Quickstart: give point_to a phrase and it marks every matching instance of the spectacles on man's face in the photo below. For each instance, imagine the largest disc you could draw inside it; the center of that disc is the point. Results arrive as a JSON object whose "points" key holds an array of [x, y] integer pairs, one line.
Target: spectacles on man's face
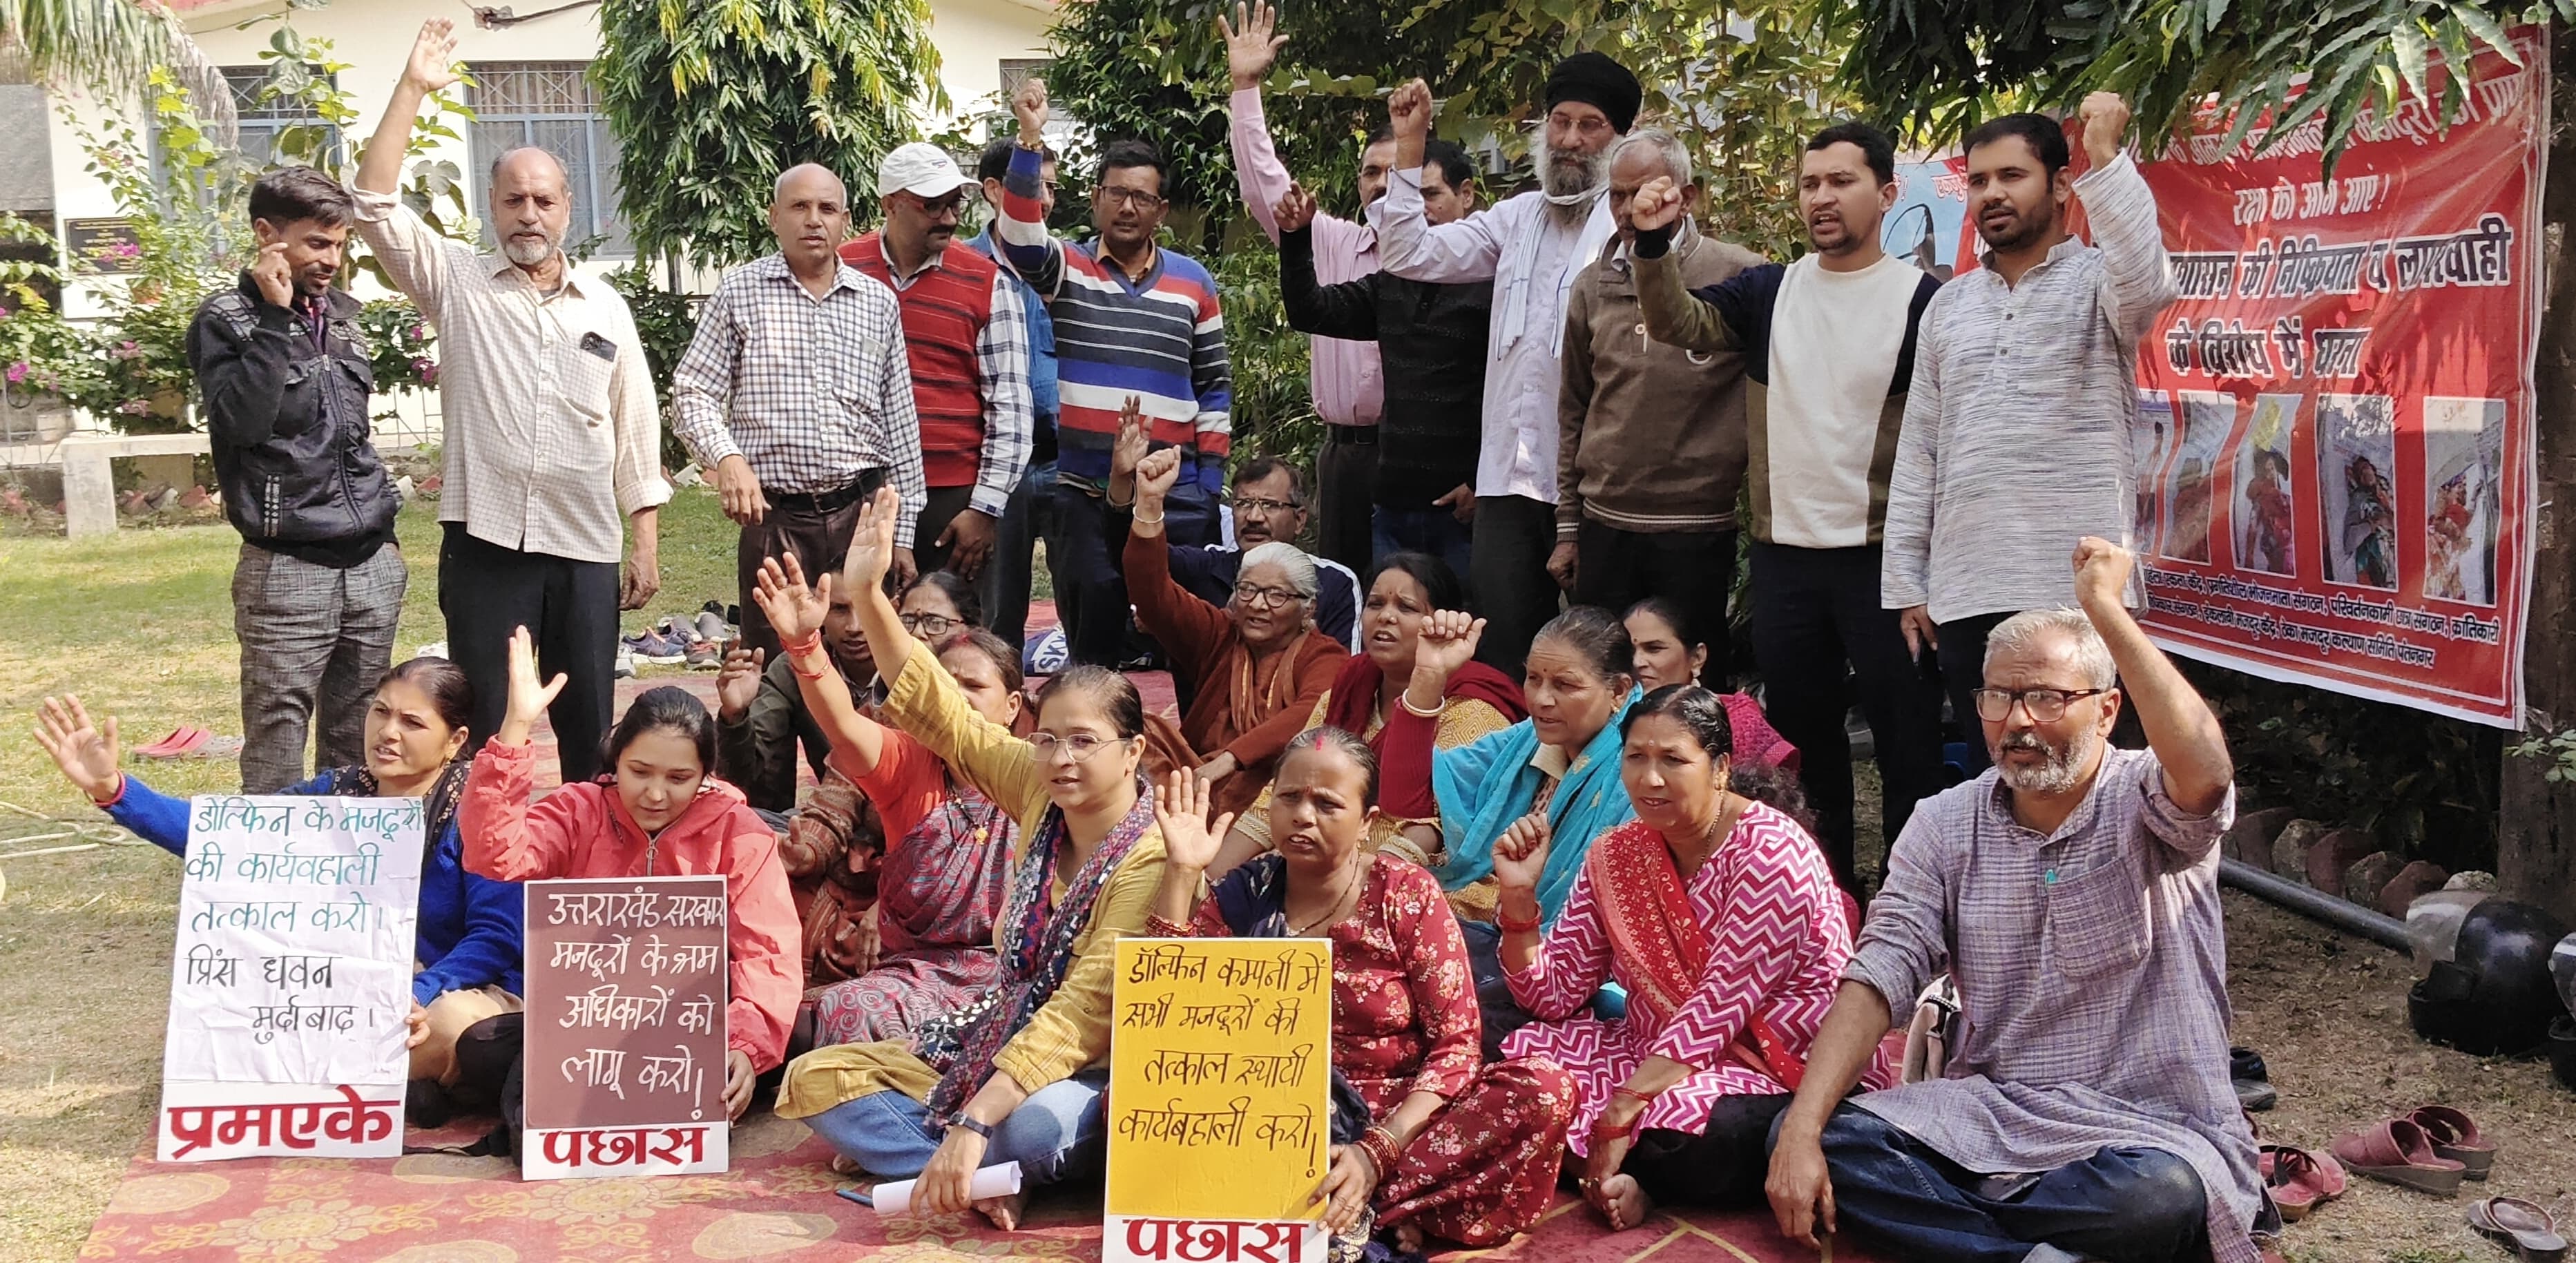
{"points": [[929, 626], [1079, 746], [1255, 504], [2046, 706], [1116, 195], [1259, 597]]}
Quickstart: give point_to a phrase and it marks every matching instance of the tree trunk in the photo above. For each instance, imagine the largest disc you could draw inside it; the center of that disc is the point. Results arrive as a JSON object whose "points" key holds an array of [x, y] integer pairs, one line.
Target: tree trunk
{"points": [[2536, 854]]}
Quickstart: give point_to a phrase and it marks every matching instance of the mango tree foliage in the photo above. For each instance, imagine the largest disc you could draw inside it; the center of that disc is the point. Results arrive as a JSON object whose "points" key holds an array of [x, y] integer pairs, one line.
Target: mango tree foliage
{"points": [[711, 99]]}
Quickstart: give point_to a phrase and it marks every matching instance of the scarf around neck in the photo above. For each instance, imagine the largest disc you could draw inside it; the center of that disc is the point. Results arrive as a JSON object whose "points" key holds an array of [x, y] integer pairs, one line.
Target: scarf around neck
{"points": [[1484, 787], [437, 806]]}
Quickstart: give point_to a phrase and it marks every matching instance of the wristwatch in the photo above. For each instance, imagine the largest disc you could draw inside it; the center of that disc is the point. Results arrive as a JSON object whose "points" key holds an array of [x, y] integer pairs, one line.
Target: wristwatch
{"points": [[981, 1129]]}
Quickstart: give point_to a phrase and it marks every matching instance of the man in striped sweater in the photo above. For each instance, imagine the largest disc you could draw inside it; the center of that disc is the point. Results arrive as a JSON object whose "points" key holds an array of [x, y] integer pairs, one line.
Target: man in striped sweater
{"points": [[1131, 319], [968, 341]]}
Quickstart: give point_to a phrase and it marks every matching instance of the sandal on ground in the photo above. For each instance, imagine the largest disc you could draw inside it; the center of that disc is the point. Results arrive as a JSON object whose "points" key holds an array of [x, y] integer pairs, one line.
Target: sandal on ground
{"points": [[2398, 1152], [2456, 1137], [176, 745], [2520, 1226], [2300, 1181]]}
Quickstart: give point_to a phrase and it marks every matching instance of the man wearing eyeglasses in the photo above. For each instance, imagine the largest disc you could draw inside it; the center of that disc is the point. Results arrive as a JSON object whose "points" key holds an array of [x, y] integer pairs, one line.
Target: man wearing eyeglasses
{"points": [[1269, 506], [2073, 890], [968, 340]]}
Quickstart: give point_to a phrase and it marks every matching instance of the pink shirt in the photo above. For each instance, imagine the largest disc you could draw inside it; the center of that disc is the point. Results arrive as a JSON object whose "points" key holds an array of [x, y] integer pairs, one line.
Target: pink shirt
{"points": [[1347, 383]]}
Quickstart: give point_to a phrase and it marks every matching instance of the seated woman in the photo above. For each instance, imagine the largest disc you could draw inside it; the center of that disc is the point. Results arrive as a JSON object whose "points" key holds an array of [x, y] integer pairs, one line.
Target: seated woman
{"points": [[1254, 668], [1451, 1148], [1018, 1076], [1667, 653], [656, 812], [947, 859], [1719, 917], [466, 941], [938, 605], [1561, 761], [1403, 590]]}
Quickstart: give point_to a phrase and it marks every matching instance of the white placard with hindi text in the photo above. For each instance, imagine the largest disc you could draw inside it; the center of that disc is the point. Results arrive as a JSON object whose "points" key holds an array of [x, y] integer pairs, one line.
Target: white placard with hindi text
{"points": [[290, 978]]}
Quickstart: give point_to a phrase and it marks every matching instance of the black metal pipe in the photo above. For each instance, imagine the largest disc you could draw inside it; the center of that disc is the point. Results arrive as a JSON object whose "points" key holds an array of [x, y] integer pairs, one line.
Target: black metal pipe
{"points": [[2316, 905]]}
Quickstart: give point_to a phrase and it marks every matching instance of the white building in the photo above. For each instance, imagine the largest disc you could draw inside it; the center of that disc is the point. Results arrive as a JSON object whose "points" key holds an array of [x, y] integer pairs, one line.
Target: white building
{"points": [[530, 90]]}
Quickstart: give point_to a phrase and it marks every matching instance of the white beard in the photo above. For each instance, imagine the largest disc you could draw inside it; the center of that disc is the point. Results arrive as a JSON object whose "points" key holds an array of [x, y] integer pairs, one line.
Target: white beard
{"points": [[526, 254], [2062, 771]]}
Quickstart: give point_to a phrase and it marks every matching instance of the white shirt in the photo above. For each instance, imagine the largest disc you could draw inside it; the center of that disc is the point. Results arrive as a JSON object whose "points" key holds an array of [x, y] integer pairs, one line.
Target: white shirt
{"points": [[1533, 258], [1835, 338]]}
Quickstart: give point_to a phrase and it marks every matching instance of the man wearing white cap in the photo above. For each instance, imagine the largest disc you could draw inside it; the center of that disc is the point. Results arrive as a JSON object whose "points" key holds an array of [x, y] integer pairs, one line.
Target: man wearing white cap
{"points": [[969, 341], [797, 395]]}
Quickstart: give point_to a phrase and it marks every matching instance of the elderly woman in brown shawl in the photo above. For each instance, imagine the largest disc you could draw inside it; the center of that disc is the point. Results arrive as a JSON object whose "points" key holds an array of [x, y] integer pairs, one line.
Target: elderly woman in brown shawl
{"points": [[1253, 669]]}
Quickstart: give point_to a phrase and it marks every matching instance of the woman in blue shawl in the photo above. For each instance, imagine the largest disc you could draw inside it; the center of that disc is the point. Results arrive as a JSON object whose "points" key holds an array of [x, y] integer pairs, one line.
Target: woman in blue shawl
{"points": [[1562, 761]]}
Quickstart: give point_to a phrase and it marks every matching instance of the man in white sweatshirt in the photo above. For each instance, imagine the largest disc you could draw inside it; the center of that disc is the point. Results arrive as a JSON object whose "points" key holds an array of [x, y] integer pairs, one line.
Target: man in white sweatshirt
{"points": [[1828, 343]]}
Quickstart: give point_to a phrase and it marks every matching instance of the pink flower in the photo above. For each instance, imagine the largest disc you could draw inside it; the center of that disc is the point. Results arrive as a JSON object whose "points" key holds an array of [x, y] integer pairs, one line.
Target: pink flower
{"points": [[17, 372], [124, 250], [127, 350], [133, 407], [420, 333]]}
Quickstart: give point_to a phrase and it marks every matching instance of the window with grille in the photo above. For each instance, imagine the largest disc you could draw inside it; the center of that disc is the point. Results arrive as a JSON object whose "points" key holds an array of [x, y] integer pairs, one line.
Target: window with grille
{"points": [[1019, 70], [552, 106], [261, 121]]}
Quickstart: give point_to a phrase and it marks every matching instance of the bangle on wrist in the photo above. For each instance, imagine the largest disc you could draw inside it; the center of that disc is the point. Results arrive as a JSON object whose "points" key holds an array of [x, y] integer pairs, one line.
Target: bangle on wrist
{"points": [[1642, 1098], [1405, 699], [1142, 520], [1513, 925], [112, 799], [1382, 1150]]}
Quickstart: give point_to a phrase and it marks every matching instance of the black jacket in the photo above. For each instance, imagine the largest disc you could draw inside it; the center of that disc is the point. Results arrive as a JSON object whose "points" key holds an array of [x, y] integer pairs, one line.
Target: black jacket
{"points": [[289, 426], [1431, 339]]}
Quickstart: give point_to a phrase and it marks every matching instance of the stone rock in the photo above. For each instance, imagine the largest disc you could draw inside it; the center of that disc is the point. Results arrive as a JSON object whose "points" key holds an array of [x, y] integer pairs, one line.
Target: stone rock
{"points": [[2417, 879], [2330, 855], [2361, 882], [2289, 852], [2249, 840], [2474, 879]]}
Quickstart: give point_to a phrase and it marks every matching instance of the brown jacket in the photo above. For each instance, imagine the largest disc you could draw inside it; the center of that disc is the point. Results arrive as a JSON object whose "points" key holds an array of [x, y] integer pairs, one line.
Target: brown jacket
{"points": [[1650, 437]]}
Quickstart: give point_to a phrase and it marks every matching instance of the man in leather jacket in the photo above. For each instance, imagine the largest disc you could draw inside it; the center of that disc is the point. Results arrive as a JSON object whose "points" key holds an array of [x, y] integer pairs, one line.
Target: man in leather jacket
{"points": [[284, 379]]}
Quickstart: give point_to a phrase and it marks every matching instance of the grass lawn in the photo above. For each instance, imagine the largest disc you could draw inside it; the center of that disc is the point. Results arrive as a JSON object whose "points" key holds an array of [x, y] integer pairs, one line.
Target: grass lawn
{"points": [[141, 627]]}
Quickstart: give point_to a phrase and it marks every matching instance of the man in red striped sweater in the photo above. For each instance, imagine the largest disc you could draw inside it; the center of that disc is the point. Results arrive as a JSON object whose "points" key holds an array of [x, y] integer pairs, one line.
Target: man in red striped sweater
{"points": [[968, 337]]}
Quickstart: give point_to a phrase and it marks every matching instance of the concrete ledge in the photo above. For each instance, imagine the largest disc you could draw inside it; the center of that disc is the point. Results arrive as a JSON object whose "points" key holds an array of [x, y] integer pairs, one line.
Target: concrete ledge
{"points": [[89, 483]]}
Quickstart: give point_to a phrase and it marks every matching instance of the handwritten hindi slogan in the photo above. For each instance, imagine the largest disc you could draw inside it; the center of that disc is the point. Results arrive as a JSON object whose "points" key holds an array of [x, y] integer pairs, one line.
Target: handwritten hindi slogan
{"points": [[290, 978], [626, 1027], [1220, 1087]]}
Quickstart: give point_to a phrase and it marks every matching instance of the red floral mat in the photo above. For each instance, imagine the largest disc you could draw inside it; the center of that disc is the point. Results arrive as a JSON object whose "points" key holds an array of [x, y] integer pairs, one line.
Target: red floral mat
{"points": [[776, 1203]]}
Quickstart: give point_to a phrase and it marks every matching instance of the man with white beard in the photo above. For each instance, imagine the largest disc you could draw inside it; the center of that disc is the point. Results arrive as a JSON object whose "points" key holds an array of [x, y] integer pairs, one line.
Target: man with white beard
{"points": [[553, 440], [1532, 247], [2072, 892]]}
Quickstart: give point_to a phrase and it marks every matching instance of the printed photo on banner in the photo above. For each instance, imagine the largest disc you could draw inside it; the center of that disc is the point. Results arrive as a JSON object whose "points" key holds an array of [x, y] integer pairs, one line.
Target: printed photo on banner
{"points": [[290, 978], [2207, 420], [2266, 537], [2356, 463], [2463, 484], [1220, 1089], [2150, 444], [626, 1027]]}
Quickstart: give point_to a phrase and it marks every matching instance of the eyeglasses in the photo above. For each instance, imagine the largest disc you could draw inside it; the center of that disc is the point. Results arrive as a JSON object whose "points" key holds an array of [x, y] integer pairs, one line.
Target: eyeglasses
{"points": [[929, 625], [1259, 597], [2046, 706], [1589, 125], [1250, 504], [1079, 747], [1113, 195]]}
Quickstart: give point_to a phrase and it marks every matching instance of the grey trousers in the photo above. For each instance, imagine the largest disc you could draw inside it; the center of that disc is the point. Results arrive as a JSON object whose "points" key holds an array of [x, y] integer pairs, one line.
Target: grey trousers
{"points": [[314, 641]]}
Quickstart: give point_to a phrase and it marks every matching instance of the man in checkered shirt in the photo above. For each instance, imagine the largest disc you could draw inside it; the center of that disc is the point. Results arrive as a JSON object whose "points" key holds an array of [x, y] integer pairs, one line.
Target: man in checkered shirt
{"points": [[796, 392], [2071, 892]]}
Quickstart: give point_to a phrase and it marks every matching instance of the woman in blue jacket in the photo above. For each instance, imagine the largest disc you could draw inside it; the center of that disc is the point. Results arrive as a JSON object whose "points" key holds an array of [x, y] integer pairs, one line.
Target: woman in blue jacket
{"points": [[467, 950]]}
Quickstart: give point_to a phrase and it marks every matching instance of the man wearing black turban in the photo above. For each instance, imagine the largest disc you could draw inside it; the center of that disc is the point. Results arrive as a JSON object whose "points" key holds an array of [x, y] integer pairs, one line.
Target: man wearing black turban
{"points": [[1532, 247]]}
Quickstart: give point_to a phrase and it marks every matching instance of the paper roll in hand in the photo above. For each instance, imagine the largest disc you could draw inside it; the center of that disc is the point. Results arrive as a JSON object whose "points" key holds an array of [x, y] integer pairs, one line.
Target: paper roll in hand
{"points": [[993, 1181]]}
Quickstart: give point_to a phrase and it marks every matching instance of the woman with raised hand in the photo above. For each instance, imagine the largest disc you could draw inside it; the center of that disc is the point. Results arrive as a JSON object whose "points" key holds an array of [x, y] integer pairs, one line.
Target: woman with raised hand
{"points": [[1019, 1075], [1722, 922], [1252, 669], [466, 942], [1449, 1148], [656, 811], [1404, 589], [947, 860]]}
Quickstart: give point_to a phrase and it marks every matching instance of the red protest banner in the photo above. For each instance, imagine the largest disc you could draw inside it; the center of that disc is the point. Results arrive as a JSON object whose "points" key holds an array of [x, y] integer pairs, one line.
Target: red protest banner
{"points": [[626, 1027], [2333, 460]]}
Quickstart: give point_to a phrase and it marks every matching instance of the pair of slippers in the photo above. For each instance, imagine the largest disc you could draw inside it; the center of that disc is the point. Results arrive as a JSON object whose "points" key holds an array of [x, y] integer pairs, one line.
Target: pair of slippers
{"points": [[191, 743], [2520, 1226], [2431, 1150]]}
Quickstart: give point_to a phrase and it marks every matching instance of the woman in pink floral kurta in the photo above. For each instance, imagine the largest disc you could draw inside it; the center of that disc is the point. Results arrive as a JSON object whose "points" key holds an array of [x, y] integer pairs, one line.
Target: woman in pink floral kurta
{"points": [[1722, 920]]}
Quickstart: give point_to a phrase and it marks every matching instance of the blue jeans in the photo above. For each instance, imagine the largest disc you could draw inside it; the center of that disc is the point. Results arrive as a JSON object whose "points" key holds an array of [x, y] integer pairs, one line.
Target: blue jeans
{"points": [[1054, 1135], [1434, 531], [2129, 1204]]}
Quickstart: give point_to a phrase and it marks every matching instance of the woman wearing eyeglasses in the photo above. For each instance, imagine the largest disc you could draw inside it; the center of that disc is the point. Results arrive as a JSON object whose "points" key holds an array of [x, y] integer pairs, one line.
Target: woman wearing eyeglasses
{"points": [[1018, 1075], [939, 605], [1254, 668]]}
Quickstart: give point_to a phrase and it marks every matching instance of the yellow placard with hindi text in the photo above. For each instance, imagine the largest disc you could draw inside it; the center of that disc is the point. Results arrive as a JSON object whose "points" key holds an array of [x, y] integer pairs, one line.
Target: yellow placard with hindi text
{"points": [[1220, 1096]]}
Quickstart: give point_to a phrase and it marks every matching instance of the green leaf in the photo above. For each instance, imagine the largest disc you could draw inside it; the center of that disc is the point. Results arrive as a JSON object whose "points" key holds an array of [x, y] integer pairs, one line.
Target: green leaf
{"points": [[2489, 32], [2410, 46]]}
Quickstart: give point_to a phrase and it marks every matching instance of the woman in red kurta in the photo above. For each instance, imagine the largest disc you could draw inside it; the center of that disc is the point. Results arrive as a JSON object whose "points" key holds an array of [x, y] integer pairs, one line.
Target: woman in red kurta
{"points": [[1254, 668], [1454, 1149]]}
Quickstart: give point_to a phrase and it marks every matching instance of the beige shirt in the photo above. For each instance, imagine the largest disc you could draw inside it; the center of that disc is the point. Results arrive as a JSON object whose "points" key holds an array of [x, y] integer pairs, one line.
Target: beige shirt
{"points": [[553, 437]]}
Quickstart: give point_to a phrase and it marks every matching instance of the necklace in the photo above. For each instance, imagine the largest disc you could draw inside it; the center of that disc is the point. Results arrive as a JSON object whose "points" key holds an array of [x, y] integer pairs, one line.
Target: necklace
{"points": [[1350, 888]]}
